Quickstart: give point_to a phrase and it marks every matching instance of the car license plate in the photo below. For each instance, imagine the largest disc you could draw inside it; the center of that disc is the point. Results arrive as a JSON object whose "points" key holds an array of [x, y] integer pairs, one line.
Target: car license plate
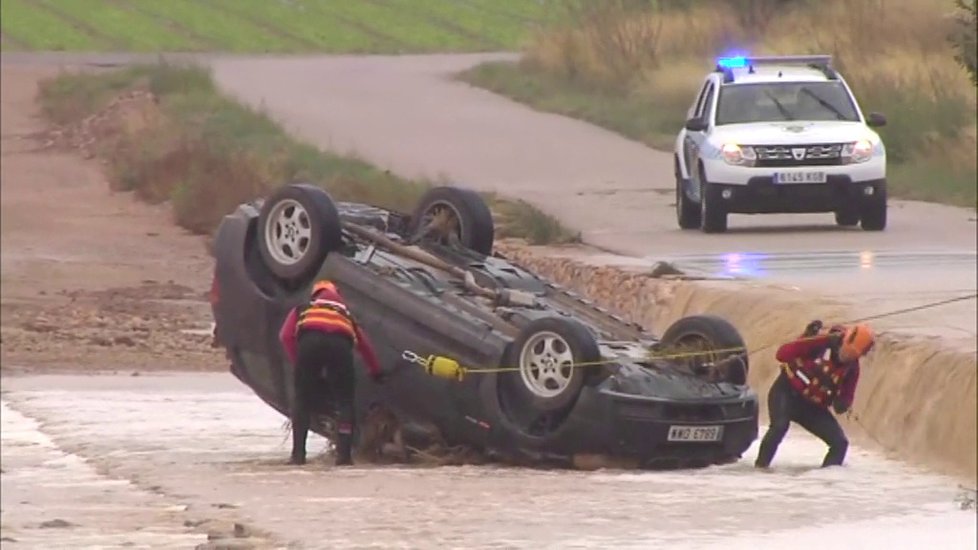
{"points": [[695, 433], [799, 177]]}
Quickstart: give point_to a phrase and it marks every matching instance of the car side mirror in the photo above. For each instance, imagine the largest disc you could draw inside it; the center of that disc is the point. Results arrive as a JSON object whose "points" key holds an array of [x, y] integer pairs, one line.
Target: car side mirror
{"points": [[875, 120], [696, 125]]}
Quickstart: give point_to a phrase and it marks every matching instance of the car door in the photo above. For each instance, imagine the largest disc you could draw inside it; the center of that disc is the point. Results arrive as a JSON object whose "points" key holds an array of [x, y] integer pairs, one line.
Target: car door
{"points": [[694, 139]]}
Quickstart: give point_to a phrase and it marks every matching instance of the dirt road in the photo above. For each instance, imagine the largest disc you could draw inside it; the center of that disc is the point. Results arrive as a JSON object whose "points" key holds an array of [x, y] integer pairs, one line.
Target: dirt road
{"points": [[90, 277]]}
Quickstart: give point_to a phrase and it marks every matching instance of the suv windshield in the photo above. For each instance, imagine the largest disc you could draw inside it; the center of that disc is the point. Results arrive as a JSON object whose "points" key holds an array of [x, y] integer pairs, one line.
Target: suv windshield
{"points": [[783, 101]]}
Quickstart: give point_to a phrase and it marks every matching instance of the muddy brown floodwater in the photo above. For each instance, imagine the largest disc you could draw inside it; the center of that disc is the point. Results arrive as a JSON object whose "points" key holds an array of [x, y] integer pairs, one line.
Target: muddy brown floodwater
{"points": [[204, 440]]}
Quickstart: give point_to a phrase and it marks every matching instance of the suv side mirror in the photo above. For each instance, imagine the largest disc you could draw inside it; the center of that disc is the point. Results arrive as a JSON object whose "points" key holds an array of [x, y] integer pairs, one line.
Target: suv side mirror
{"points": [[696, 125], [875, 120]]}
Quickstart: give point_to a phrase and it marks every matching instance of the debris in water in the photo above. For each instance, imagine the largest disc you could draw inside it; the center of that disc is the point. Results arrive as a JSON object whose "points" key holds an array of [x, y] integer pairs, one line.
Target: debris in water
{"points": [[56, 524], [967, 498], [664, 268], [225, 544]]}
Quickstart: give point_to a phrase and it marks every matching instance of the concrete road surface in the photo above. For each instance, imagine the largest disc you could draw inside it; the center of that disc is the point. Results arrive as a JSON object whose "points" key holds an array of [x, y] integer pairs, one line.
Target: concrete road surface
{"points": [[408, 115]]}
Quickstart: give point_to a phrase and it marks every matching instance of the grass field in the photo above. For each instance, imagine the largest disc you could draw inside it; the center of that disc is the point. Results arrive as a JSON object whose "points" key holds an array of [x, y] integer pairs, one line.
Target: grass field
{"points": [[637, 72], [279, 26], [206, 153]]}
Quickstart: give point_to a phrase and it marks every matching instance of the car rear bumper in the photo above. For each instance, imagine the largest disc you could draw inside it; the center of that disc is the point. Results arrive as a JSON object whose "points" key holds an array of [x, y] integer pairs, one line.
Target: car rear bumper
{"points": [[642, 429], [613, 424], [762, 196]]}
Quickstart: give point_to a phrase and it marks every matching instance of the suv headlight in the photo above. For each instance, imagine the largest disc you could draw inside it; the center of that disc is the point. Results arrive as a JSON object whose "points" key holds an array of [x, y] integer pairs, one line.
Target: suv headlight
{"points": [[857, 151], [738, 155]]}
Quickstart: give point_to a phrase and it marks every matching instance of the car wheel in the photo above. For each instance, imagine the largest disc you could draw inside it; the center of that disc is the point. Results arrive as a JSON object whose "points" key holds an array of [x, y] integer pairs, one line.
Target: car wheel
{"points": [[454, 214], [712, 214], [687, 212], [707, 333], [546, 354], [846, 218], [297, 227], [874, 211]]}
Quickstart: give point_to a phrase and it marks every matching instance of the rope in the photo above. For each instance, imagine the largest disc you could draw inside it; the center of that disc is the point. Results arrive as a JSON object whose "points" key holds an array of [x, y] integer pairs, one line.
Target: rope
{"points": [[893, 313], [916, 308], [449, 368]]}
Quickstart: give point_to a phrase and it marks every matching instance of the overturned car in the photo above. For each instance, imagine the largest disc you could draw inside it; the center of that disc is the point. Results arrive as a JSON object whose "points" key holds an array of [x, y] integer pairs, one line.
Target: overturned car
{"points": [[574, 378]]}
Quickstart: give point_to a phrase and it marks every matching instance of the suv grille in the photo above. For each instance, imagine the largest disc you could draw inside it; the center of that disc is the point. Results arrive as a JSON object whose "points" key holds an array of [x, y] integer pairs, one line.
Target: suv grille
{"points": [[828, 154]]}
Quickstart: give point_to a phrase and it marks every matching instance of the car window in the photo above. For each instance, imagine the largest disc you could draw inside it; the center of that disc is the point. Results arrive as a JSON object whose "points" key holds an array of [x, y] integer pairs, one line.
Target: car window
{"points": [[698, 106], [708, 105], [784, 101]]}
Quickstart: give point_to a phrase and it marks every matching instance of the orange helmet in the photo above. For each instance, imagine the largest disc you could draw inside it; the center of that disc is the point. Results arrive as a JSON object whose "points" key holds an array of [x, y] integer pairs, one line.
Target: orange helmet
{"points": [[857, 340], [321, 285]]}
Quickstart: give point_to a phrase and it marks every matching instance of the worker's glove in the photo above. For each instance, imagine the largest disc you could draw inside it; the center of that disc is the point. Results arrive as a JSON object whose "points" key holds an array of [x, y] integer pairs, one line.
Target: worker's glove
{"points": [[812, 328], [839, 407], [835, 339]]}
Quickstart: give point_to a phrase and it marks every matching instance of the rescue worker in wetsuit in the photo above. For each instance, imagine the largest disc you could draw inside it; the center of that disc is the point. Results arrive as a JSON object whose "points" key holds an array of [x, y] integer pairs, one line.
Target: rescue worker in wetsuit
{"points": [[819, 370], [321, 335]]}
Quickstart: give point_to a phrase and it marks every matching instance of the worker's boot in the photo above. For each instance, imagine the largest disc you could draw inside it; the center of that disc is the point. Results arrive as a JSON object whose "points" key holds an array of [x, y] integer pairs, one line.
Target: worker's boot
{"points": [[344, 444]]}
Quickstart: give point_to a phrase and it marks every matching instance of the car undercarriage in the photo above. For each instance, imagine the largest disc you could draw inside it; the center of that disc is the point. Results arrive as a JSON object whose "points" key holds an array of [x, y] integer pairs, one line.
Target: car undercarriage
{"points": [[550, 375]]}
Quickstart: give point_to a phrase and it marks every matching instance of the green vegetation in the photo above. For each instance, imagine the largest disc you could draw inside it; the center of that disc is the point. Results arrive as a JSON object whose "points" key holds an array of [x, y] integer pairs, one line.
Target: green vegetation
{"points": [[207, 154], [634, 68], [334, 26]]}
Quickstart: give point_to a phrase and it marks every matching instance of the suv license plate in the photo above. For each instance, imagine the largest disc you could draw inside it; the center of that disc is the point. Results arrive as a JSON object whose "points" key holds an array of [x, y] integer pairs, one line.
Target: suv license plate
{"points": [[695, 433], [799, 177]]}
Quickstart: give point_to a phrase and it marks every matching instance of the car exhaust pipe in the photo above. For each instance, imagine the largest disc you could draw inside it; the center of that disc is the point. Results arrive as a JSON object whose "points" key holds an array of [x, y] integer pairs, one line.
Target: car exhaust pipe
{"points": [[504, 297]]}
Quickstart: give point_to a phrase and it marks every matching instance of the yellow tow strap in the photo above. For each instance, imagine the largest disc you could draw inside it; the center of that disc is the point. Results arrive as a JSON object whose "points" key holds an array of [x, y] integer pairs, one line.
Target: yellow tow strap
{"points": [[448, 368]]}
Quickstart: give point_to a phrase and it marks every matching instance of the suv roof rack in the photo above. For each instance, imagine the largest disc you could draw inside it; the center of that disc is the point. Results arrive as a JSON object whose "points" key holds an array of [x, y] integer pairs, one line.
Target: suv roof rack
{"points": [[821, 62]]}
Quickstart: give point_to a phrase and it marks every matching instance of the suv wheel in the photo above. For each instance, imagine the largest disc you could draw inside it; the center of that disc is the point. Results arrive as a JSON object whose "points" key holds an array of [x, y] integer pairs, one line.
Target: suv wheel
{"points": [[846, 218], [874, 210], [687, 212], [712, 213]]}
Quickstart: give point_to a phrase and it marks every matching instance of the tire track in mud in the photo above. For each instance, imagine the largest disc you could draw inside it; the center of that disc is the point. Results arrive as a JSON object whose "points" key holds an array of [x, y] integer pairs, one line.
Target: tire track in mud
{"points": [[264, 25], [7, 42], [200, 43], [387, 41], [439, 21], [82, 26]]}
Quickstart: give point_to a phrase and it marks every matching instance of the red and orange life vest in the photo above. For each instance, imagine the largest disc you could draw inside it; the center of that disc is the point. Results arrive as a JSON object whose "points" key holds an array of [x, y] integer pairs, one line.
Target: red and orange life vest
{"points": [[817, 380], [327, 316]]}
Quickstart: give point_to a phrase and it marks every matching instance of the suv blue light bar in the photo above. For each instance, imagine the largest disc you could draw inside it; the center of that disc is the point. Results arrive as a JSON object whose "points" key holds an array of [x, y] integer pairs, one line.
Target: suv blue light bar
{"points": [[740, 61]]}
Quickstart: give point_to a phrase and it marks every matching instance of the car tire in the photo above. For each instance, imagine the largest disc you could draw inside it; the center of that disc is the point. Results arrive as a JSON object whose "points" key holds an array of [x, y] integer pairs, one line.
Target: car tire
{"points": [[712, 333], [540, 350], [873, 216], [714, 216], [476, 229], [846, 218], [687, 212], [297, 227]]}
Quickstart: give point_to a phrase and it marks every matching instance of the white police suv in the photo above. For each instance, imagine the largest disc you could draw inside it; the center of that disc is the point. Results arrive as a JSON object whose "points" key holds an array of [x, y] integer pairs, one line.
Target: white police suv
{"points": [[779, 135]]}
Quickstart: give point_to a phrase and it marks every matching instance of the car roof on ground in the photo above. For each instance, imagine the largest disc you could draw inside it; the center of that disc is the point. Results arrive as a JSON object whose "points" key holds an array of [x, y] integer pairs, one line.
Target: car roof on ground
{"points": [[776, 73]]}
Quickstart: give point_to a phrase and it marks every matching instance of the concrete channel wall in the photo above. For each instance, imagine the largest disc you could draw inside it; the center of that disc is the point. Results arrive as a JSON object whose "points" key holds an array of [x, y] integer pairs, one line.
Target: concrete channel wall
{"points": [[915, 400]]}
